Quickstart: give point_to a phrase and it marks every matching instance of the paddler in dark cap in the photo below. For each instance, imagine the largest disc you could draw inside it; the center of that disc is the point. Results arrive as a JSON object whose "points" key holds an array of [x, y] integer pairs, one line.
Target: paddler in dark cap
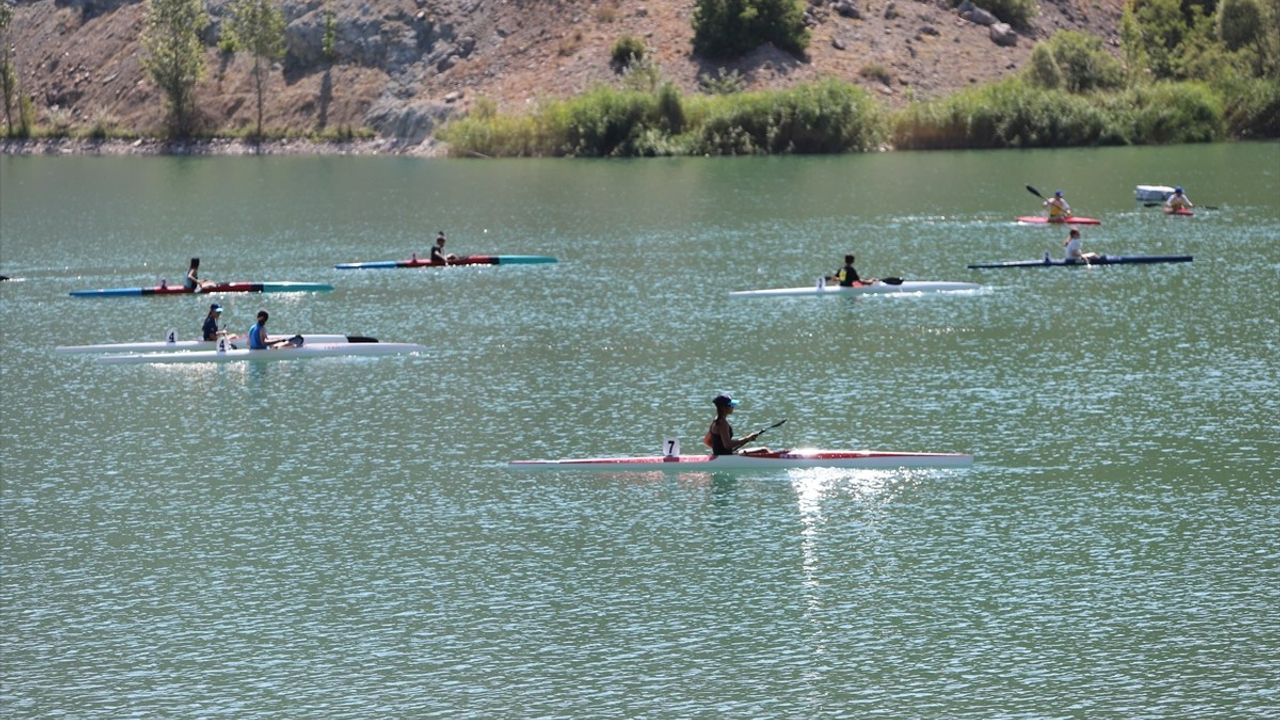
{"points": [[720, 437]]}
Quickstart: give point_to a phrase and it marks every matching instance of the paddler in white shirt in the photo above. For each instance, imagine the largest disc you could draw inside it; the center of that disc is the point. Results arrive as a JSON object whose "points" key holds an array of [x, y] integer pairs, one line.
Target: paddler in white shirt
{"points": [[1178, 201], [1075, 245], [1059, 210]]}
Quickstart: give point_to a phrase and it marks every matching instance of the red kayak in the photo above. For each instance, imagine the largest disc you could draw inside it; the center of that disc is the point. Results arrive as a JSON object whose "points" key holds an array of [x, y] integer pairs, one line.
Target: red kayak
{"points": [[1071, 220], [1184, 212]]}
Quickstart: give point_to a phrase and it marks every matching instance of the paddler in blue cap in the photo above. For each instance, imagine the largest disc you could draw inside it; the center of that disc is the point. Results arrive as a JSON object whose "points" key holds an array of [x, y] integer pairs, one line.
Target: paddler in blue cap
{"points": [[1178, 201], [210, 330], [720, 437], [1059, 210]]}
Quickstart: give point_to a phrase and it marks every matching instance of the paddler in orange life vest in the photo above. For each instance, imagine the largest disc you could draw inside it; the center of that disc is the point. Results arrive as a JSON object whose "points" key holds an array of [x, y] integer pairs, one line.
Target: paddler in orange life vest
{"points": [[1059, 210], [720, 437]]}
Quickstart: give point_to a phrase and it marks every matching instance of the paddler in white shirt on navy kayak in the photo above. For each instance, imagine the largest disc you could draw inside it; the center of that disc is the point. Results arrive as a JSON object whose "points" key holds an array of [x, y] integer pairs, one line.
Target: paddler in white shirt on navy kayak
{"points": [[720, 436], [1074, 246]]}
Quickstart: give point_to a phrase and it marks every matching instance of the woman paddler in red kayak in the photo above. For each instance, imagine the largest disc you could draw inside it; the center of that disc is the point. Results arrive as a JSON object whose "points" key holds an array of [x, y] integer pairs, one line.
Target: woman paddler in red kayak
{"points": [[720, 437], [192, 281]]}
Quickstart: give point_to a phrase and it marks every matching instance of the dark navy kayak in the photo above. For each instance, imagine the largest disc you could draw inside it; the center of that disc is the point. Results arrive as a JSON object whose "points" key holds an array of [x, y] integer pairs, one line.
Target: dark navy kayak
{"points": [[1100, 260], [463, 260]]}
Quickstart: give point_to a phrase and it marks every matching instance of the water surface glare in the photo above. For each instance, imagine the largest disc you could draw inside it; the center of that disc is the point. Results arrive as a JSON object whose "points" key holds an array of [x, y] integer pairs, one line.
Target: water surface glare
{"points": [[339, 538]]}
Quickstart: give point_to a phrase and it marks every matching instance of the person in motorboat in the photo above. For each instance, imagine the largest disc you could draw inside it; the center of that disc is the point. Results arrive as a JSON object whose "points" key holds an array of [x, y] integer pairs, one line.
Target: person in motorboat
{"points": [[720, 436], [210, 331], [847, 276], [1074, 248], [1177, 201], [258, 339], [1059, 210], [438, 256], [192, 280]]}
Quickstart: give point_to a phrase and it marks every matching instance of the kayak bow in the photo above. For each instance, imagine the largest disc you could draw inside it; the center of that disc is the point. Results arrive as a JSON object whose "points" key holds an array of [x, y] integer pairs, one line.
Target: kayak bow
{"points": [[463, 260], [907, 286], [285, 353], [229, 287], [795, 458], [1100, 260]]}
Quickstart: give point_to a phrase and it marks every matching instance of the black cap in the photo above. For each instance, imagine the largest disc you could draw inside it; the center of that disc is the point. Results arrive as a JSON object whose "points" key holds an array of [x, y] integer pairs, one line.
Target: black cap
{"points": [[724, 400]]}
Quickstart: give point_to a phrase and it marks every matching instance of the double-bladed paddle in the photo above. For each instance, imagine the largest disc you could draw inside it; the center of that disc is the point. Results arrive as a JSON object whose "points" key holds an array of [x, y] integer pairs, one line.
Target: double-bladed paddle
{"points": [[761, 431]]}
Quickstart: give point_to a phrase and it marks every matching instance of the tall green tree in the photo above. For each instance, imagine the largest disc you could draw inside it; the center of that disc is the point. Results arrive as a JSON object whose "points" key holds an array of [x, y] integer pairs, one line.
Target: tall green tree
{"points": [[8, 77], [728, 28], [175, 56], [258, 26]]}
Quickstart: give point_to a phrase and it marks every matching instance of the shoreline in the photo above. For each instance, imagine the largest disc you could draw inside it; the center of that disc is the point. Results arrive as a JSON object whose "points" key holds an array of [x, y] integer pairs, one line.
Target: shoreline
{"points": [[215, 147]]}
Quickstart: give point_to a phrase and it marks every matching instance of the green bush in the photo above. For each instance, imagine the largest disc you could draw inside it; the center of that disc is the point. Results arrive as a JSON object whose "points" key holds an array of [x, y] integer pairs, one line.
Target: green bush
{"points": [[671, 109], [729, 28], [1015, 12], [605, 122], [1239, 23], [1083, 63], [627, 50], [1169, 112], [826, 117], [1253, 108], [1043, 70], [876, 71], [1009, 113], [722, 82]]}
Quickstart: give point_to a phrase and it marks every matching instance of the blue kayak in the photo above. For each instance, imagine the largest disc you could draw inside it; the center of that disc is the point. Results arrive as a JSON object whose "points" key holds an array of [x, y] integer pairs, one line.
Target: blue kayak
{"points": [[231, 287]]}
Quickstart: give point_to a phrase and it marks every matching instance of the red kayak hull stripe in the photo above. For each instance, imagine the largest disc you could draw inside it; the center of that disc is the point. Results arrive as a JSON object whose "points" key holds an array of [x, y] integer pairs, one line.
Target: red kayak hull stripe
{"points": [[1073, 220]]}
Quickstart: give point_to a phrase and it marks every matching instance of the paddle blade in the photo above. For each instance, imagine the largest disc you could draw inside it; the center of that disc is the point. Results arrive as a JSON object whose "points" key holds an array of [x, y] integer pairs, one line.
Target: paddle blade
{"points": [[1035, 192], [891, 280]]}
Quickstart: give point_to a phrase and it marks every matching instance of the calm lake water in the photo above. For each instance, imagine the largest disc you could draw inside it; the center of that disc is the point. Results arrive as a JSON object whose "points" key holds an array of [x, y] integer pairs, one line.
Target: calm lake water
{"points": [[340, 538]]}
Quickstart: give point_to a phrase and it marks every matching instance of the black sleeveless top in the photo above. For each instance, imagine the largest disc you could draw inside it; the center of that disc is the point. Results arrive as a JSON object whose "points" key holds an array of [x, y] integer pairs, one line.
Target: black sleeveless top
{"points": [[717, 446]]}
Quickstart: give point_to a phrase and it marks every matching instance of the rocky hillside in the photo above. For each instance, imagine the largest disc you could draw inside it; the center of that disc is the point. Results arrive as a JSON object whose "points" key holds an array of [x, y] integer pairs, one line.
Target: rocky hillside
{"points": [[400, 67]]}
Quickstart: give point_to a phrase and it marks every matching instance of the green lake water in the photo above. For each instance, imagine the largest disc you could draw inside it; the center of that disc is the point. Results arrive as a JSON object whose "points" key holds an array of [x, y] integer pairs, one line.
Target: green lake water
{"points": [[339, 538]]}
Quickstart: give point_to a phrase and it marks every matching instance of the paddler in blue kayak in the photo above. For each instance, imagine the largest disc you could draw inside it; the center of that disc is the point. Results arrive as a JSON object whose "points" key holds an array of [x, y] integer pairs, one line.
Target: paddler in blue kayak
{"points": [[192, 281], [1059, 210], [258, 339], [847, 276], [720, 437], [438, 256], [210, 330]]}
